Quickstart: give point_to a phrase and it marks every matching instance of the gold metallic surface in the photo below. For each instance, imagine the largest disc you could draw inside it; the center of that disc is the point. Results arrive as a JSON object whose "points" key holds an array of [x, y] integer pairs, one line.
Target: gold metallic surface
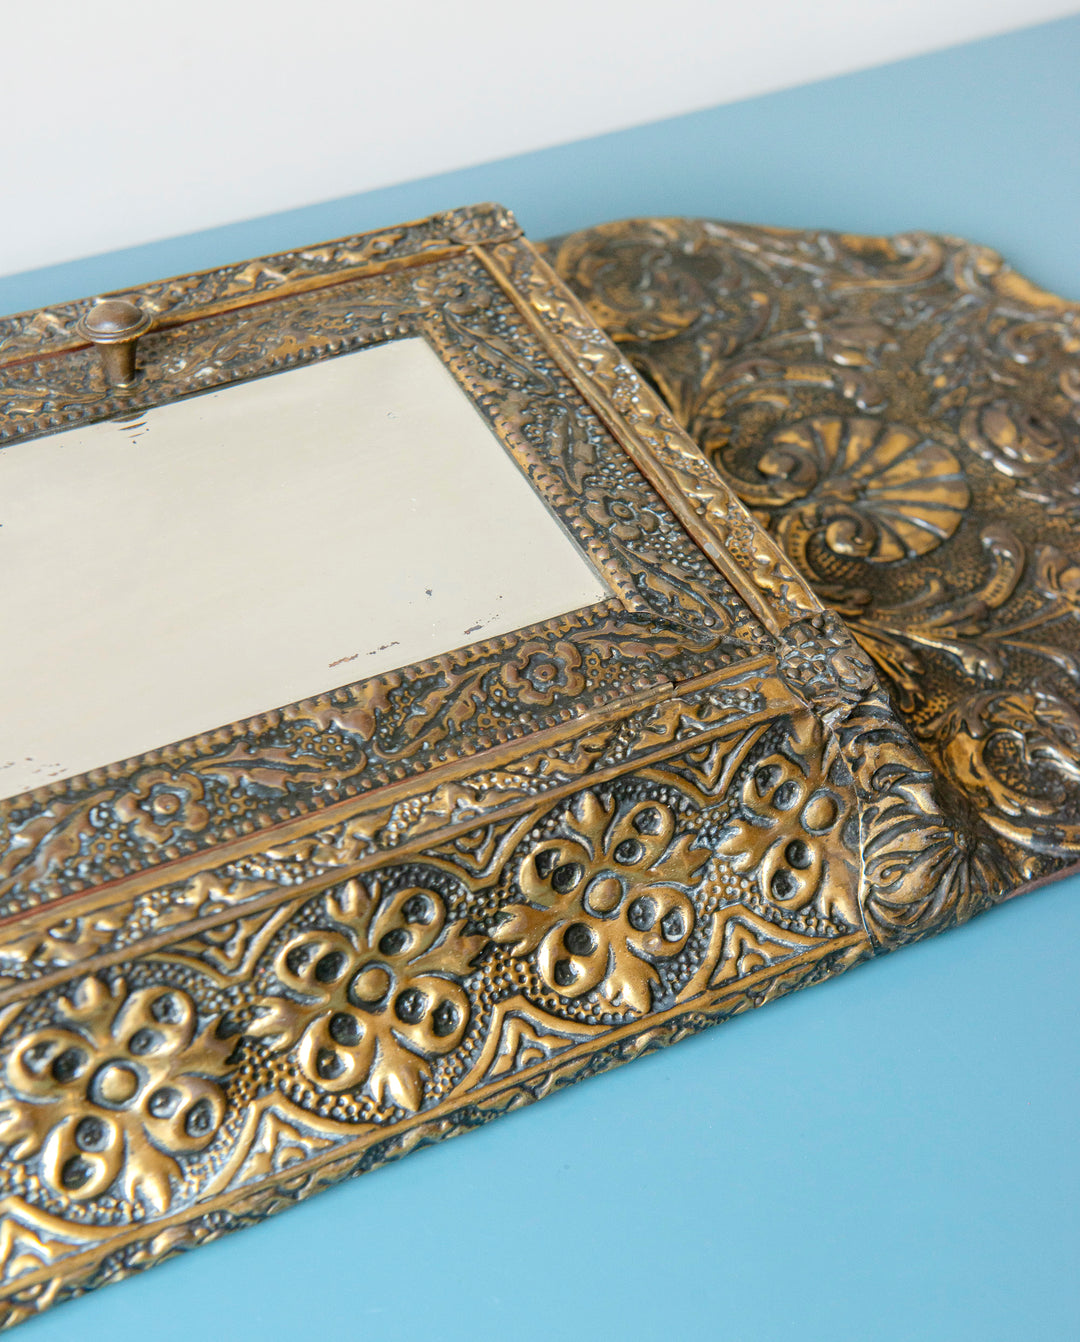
{"points": [[903, 416], [114, 327], [245, 965]]}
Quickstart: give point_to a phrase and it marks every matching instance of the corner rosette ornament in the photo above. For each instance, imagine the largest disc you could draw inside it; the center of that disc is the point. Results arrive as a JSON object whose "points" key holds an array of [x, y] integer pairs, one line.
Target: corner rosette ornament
{"points": [[538, 672], [608, 903], [795, 828], [373, 1002], [124, 1085]]}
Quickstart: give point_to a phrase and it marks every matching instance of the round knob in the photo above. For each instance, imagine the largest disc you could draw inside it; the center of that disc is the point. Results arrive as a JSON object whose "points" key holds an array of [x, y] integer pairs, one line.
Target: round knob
{"points": [[114, 326], [113, 319]]}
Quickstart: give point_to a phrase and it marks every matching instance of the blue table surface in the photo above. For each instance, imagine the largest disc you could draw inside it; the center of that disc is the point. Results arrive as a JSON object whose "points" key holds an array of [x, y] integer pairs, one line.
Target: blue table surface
{"points": [[892, 1155]]}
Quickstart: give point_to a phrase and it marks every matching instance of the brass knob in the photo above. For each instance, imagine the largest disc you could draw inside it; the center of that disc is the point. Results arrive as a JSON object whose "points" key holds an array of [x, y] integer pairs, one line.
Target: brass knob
{"points": [[114, 325]]}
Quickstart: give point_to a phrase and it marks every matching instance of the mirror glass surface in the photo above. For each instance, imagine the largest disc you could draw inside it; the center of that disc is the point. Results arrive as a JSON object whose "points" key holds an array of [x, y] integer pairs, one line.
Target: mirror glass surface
{"points": [[229, 553]]}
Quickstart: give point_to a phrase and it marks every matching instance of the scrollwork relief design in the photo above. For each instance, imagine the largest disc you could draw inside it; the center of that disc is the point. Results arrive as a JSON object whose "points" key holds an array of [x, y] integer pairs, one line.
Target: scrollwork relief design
{"points": [[858, 487], [1018, 757], [398, 909], [900, 414], [716, 518]]}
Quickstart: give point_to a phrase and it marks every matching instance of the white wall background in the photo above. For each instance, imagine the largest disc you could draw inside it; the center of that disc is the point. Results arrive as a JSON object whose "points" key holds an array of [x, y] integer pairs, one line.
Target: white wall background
{"points": [[126, 122]]}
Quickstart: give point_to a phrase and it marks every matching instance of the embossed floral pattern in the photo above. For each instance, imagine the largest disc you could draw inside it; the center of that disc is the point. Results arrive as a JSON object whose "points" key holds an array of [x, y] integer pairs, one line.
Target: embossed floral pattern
{"points": [[302, 757], [375, 995], [795, 829], [161, 805], [608, 902], [909, 400], [119, 1088], [443, 288], [374, 999], [518, 1033], [621, 515], [538, 672]]}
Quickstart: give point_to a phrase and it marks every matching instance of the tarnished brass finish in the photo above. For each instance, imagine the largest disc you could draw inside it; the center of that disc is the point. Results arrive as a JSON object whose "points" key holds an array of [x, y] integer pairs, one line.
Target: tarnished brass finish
{"points": [[113, 326], [248, 964], [903, 416]]}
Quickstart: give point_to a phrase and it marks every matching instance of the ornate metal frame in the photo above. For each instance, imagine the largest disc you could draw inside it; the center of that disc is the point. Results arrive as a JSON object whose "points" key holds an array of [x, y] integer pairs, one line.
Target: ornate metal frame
{"points": [[903, 415], [249, 964]]}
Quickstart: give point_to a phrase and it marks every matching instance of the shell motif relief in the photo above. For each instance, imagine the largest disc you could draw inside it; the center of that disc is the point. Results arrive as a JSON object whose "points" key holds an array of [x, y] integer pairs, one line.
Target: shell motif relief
{"points": [[874, 491]]}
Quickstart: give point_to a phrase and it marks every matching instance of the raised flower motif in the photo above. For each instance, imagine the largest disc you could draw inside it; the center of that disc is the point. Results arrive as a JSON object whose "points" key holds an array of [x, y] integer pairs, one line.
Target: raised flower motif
{"points": [[372, 1001], [122, 1085], [796, 830], [607, 903], [538, 672], [621, 515], [161, 805], [444, 289]]}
